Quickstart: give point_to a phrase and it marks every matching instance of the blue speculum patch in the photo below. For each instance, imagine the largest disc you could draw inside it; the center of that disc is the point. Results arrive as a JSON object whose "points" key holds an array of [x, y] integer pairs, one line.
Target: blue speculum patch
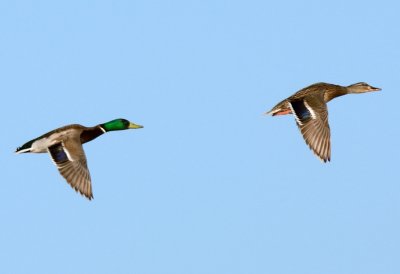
{"points": [[58, 154], [301, 110]]}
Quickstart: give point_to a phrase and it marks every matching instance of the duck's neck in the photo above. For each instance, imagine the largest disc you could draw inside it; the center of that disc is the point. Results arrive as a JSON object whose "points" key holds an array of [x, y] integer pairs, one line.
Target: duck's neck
{"points": [[91, 133], [334, 92]]}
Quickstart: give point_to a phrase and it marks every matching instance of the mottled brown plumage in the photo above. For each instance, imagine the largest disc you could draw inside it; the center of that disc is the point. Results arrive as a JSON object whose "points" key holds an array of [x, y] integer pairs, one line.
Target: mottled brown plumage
{"points": [[310, 110]]}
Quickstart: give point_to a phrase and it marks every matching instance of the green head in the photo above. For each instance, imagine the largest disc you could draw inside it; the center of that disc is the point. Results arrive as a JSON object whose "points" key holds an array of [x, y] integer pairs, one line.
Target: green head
{"points": [[119, 124]]}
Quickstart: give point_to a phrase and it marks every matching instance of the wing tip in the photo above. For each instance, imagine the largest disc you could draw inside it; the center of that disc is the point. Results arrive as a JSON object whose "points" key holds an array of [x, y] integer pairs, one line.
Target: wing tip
{"points": [[88, 196], [324, 160]]}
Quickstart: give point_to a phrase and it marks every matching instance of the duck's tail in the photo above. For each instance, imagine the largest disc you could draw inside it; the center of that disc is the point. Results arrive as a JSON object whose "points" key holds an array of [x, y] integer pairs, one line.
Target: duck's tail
{"points": [[24, 148]]}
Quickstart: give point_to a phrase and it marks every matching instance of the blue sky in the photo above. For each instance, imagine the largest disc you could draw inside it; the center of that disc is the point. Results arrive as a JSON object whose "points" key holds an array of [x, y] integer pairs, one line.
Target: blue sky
{"points": [[209, 185]]}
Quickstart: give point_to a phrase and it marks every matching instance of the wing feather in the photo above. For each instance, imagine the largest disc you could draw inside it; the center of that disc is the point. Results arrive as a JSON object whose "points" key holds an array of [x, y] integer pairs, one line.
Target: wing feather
{"points": [[311, 115], [70, 159]]}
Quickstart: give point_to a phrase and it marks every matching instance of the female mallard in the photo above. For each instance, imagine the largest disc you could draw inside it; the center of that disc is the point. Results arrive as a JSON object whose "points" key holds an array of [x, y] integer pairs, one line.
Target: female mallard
{"points": [[309, 108], [65, 148]]}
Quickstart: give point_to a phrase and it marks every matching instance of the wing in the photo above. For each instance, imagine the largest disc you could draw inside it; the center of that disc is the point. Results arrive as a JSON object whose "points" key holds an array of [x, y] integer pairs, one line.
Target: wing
{"points": [[311, 115], [70, 160]]}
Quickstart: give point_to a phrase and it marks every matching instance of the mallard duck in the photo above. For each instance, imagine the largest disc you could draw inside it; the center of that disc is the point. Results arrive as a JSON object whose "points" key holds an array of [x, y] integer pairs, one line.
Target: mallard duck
{"points": [[64, 145], [310, 111]]}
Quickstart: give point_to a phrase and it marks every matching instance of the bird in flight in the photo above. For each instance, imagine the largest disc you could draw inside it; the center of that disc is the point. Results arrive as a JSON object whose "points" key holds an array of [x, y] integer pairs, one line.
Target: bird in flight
{"points": [[309, 108], [64, 145]]}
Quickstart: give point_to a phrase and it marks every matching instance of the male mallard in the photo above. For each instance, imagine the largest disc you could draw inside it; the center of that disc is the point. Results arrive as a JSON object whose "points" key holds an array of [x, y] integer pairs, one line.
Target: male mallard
{"points": [[65, 148], [309, 108]]}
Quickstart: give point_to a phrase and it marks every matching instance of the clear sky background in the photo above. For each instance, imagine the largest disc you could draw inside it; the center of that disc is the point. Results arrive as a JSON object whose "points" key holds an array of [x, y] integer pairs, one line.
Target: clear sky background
{"points": [[209, 185]]}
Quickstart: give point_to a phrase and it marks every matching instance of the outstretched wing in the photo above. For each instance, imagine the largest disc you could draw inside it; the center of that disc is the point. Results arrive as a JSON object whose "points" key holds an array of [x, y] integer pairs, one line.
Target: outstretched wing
{"points": [[70, 160], [311, 115]]}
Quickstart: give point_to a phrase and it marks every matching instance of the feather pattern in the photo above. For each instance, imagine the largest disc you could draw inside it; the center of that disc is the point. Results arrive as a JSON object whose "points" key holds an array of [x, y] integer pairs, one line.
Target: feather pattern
{"points": [[64, 145], [314, 127], [74, 167], [309, 108]]}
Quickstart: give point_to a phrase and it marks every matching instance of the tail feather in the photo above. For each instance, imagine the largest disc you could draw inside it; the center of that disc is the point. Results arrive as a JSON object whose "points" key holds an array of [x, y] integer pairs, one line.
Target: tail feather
{"points": [[25, 147], [272, 112], [20, 150]]}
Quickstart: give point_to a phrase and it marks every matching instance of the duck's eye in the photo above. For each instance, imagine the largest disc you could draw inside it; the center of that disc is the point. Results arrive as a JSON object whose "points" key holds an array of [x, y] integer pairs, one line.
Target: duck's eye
{"points": [[125, 122]]}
